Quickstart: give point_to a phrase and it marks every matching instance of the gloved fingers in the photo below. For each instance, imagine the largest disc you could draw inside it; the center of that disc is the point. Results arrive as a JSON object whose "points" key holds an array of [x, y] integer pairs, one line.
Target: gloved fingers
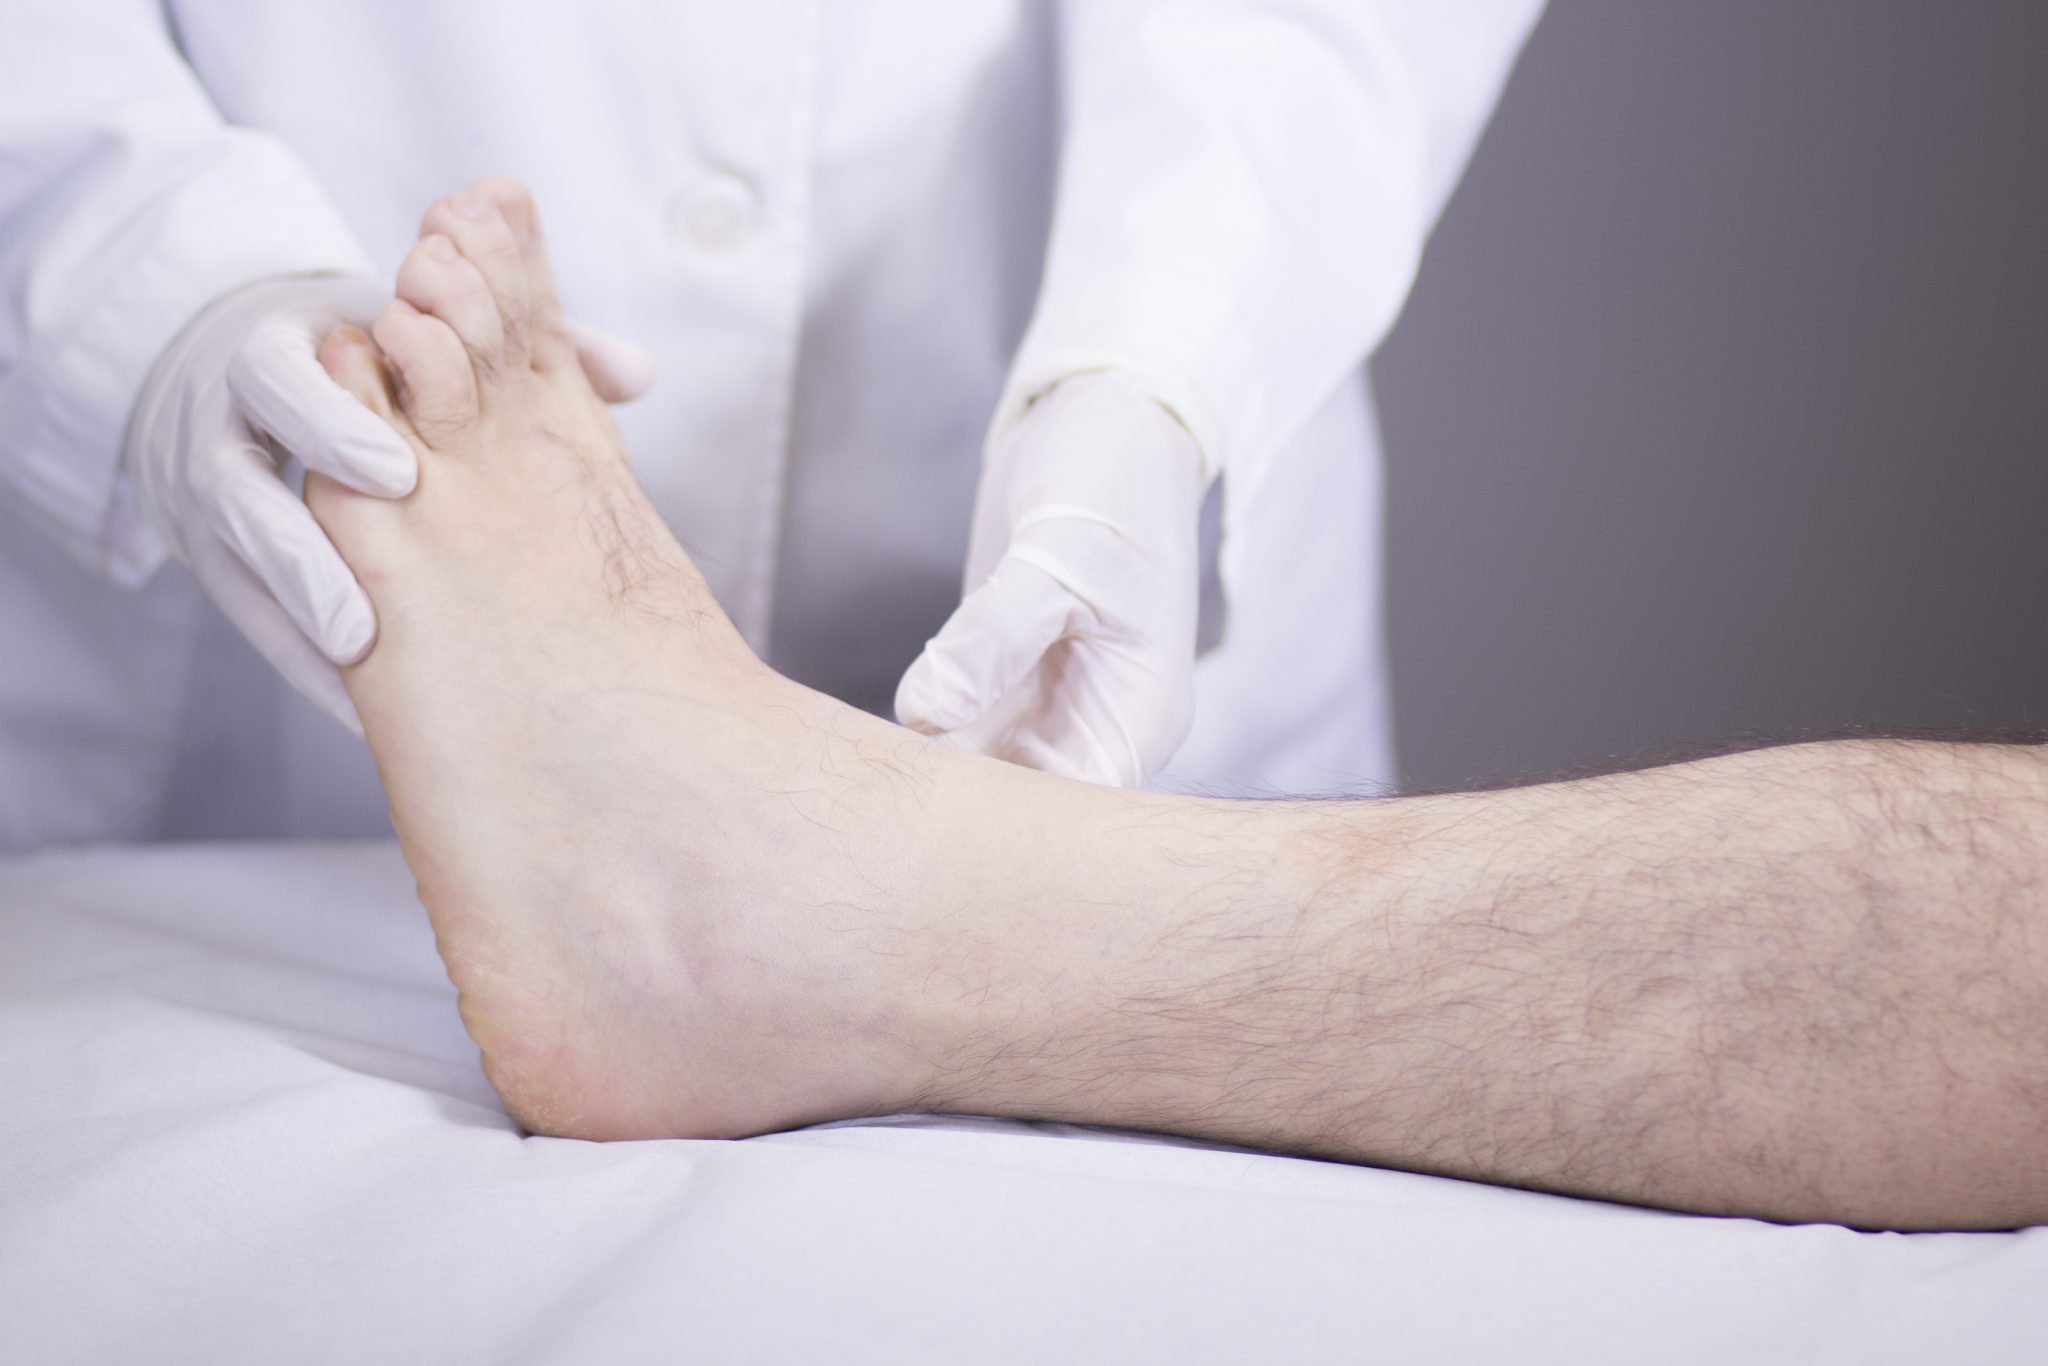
{"points": [[990, 732], [275, 537], [243, 600], [436, 278], [1087, 762], [551, 345], [619, 370], [1086, 726], [277, 382], [1132, 708], [991, 642], [1102, 743], [1098, 711], [479, 231], [1030, 732]]}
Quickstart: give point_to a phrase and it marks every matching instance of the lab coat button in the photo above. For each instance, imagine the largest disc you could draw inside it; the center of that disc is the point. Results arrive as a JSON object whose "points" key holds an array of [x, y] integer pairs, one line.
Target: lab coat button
{"points": [[715, 215]]}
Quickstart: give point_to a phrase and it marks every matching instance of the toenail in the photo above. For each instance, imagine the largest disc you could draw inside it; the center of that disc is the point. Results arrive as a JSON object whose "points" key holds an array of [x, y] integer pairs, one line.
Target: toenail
{"points": [[440, 248]]}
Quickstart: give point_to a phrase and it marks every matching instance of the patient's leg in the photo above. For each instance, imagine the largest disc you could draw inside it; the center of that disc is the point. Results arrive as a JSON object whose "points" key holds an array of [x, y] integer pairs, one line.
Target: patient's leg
{"points": [[682, 896]]}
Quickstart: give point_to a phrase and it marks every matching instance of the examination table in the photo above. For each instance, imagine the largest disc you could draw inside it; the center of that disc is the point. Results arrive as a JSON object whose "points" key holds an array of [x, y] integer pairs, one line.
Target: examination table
{"points": [[240, 1122]]}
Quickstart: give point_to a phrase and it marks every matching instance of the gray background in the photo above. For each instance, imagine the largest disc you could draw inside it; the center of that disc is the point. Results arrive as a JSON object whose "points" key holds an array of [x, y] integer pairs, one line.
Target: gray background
{"points": [[1722, 402]]}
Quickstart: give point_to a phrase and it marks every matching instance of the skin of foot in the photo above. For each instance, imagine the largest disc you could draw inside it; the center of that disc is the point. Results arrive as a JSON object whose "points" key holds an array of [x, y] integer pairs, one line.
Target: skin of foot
{"points": [[569, 730], [678, 894], [681, 896]]}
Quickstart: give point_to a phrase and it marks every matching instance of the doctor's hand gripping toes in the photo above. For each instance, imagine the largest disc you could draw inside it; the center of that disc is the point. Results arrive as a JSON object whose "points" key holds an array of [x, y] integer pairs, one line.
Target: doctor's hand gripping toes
{"points": [[240, 389], [1074, 648]]}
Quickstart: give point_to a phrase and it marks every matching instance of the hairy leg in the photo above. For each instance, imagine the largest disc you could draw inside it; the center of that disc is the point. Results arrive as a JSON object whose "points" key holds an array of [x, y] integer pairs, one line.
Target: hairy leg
{"points": [[1801, 983], [681, 896]]}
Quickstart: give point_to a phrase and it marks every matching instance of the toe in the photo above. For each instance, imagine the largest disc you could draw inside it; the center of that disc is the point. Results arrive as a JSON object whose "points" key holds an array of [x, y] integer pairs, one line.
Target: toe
{"points": [[481, 234], [437, 386], [351, 362], [548, 335], [440, 281]]}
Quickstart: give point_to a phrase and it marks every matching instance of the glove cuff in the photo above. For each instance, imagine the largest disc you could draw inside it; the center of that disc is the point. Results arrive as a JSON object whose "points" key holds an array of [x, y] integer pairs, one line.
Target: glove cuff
{"points": [[1173, 394]]}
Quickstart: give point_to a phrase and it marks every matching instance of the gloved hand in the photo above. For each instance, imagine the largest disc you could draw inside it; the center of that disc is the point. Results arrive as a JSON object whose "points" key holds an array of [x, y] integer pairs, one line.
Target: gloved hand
{"points": [[234, 394], [1074, 648]]}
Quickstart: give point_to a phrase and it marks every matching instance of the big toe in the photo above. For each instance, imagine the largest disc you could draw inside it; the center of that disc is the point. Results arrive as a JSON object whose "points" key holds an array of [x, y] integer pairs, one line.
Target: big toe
{"points": [[547, 333], [479, 232]]}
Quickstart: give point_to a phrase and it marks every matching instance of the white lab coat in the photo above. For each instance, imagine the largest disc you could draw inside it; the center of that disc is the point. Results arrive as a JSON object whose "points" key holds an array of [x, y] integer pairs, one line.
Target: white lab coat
{"points": [[848, 233]]}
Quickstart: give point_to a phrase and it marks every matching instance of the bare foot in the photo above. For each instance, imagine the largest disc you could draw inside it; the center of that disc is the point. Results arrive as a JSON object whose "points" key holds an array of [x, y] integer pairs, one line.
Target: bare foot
{"points": [[678, 894]]}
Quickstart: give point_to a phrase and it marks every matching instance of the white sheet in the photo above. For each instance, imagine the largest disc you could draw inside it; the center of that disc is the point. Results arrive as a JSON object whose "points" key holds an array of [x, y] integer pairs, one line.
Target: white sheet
{"points": [[239, 1122]]}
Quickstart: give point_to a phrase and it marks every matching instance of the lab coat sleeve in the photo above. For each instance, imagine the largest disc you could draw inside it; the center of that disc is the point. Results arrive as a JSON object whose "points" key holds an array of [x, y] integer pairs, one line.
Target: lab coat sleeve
{"points": [[1243, 193], [126, 205]]}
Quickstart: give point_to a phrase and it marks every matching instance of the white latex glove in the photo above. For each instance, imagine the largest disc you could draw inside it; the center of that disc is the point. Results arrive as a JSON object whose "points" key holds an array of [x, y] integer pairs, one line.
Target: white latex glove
{"points": [[1074, 648], [237, 392]]}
